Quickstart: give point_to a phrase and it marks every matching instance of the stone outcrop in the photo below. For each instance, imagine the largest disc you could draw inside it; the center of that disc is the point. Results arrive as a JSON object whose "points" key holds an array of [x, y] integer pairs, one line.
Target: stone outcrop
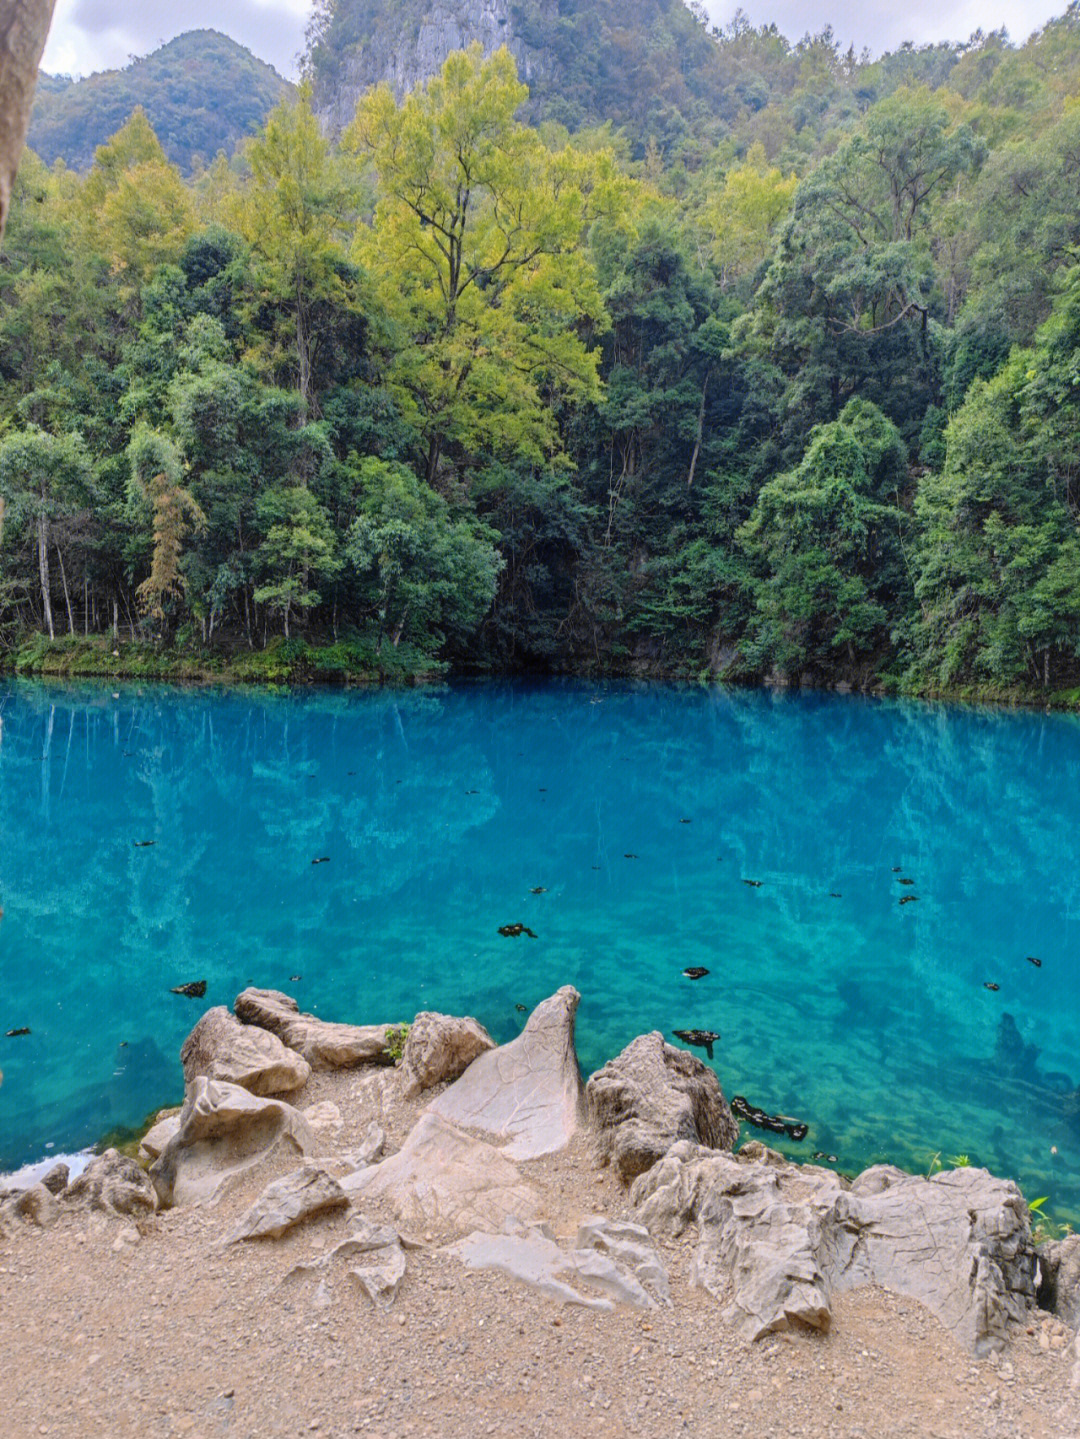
{"points": [[440, 1047], [373, 1256], [323, 1044], [34, 1205], [115, 1184], [302, 1195], [224, 1130], [775, 1240], [220, 1047], [651, 1096], [589, 1275], [1059, 1290], [157, 1137], [444, 1178], [528, 1091]]}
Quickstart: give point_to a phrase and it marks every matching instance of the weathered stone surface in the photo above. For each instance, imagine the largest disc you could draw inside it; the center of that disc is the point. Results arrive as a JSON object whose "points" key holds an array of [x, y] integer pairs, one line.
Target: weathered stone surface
{"points": [[444, 1177], [56, 1181], [220, 1047], [115, 1184], [379, 1270], [648, 1098], [323, 1044], [778, 1239], [588, 1276], [631, 1246], [288, 1202], [372, 1144], [381, 1277], [440, 1047], [528, 1091], [325, 1117], [224, 1130], [156, 1138], [1060, 1288], [34, 1205]]}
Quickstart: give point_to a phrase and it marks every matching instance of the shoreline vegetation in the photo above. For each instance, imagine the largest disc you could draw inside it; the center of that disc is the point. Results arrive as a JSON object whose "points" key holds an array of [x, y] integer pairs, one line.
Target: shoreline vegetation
{"points": [[361, 662]]}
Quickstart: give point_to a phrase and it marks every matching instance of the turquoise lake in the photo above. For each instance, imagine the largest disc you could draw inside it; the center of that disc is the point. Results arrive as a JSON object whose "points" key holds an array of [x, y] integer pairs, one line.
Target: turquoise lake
{"points": [[641, 811]]}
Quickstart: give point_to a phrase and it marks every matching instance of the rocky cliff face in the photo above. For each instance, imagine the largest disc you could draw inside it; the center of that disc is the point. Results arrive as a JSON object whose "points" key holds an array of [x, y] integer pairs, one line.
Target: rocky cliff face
{"points": [[405, 45]]}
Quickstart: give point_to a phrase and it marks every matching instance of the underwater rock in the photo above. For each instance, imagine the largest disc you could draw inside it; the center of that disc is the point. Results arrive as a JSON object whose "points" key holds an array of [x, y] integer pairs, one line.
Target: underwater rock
{"points": [[528, 1091], [699, 1038], [650, 1096], [513, 931], [195, 990], [439, 1047]]}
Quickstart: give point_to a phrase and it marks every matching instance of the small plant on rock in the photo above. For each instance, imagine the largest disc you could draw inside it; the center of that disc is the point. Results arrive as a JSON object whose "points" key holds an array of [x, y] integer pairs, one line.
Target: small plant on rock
{"points": [[396, 1036]]}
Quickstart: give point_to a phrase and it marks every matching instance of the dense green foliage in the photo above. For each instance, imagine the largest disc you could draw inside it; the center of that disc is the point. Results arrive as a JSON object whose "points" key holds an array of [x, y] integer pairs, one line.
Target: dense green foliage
{"points": [[202, 92], [795, 400]]}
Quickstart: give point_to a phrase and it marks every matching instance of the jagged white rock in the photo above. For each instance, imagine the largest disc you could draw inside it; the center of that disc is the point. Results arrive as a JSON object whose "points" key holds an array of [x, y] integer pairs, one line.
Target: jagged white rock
{"points": [[528, 1091]]}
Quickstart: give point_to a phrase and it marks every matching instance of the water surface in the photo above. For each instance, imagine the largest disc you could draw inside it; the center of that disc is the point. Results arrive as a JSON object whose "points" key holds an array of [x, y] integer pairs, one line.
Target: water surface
{"points": [[640, 811]]}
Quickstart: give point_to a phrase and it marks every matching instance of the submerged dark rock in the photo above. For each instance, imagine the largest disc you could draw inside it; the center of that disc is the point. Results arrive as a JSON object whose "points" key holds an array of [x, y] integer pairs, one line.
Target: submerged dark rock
{"points": [[699, 1038], [195, 990], [513, 931]]}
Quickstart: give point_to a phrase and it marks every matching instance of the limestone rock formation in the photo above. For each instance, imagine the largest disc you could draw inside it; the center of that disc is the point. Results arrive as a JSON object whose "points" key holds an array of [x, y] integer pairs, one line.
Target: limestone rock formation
{"points": [[438, 1047], [224, 1131], [442, 1177], [1060, 1287], [35, 1205], [115, 1184], [220, 1047], [379, 1268], [156, 1138], [650, 1096], [528, 1091], [323, 1044], [588, 1276], [302, 1195], [777, 1240]]}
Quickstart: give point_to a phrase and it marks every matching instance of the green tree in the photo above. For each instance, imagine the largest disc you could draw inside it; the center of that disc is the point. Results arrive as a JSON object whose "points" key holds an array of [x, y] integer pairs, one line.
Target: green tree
{"points": [[299, 546], [476, 251]]}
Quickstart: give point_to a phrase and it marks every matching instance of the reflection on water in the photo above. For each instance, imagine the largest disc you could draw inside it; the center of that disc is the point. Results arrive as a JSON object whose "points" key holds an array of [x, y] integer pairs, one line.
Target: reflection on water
{"points": [[437, 815]]}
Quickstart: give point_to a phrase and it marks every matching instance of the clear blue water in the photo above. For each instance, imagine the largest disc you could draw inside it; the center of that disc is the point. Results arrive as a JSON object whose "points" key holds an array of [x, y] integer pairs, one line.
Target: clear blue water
{"points": [[440, 810]]}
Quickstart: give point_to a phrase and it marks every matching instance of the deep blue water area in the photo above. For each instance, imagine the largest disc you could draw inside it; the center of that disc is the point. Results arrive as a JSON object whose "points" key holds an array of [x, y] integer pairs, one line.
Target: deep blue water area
{"points": [[641, 812]]}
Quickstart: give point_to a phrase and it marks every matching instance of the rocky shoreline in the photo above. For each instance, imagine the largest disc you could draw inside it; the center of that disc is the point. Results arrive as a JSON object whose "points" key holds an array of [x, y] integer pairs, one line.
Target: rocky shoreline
{"points": [[393, 1203]]}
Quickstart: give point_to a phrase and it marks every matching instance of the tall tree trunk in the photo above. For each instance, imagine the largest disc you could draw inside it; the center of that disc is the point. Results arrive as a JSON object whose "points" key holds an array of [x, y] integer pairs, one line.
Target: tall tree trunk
{"points": [[67, 597], [700, 431], [24, 26], [43, 570], [303, 351]]}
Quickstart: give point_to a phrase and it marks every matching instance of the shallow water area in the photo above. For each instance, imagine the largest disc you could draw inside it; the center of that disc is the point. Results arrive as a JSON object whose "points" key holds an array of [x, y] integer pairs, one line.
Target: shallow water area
{"points": [[151, 837]]}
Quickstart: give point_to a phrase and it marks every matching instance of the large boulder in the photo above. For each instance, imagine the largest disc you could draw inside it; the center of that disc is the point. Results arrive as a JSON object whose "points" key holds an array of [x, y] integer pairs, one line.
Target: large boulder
{"points": [[224, 1131], [528, 1091], [444, 1178], [651, 1096], [220, 1047], [439, 1047], [776, 1240], [302, 1195], [323, 1044], [115, 1184]]}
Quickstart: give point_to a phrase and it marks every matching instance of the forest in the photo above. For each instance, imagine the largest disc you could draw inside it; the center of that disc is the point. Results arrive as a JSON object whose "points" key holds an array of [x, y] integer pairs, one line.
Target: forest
{"points": [[789, 393]]}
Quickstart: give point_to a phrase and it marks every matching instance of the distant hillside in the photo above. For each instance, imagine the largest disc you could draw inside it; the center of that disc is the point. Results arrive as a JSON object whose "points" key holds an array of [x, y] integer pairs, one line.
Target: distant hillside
{"points": [[202, 93]]}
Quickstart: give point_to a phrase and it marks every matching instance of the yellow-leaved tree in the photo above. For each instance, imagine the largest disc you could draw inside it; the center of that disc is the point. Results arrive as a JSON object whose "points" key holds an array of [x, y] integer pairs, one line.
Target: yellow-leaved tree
{"points": [[476, 252]]}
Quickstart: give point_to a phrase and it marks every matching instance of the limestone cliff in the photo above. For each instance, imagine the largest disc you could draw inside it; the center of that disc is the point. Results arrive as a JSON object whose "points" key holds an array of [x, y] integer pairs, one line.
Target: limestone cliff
{"points": [[648, 65]]}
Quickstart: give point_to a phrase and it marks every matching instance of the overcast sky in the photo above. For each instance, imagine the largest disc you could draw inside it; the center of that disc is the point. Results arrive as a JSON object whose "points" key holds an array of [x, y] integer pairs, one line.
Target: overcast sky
{"points": [[90, 35]]}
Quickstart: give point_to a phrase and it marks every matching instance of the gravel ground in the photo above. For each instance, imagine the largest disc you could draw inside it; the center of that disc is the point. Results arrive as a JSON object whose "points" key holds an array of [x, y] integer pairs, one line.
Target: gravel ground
{"points": [[108, 1329]]}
